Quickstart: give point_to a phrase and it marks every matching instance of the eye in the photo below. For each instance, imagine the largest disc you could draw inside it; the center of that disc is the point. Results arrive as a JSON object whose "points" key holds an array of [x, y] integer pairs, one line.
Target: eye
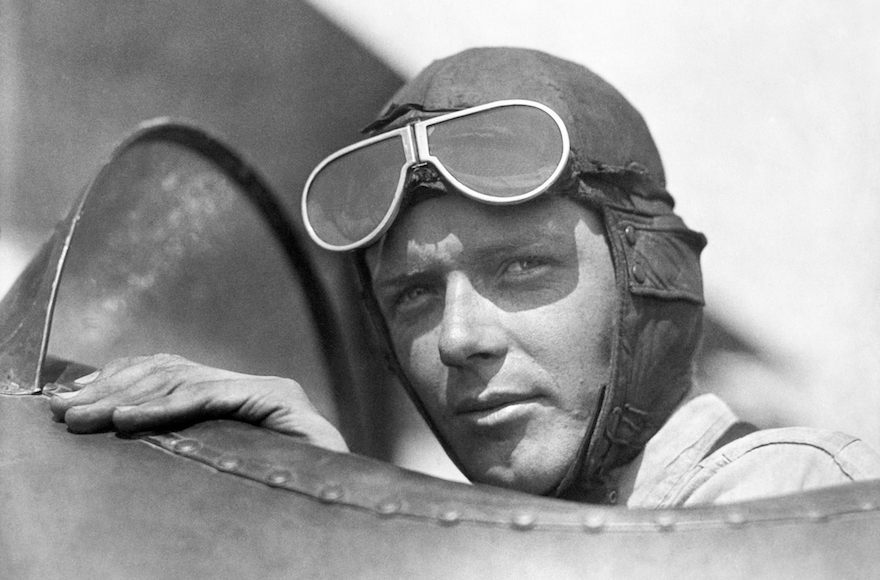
{"points": [[522, 266], [413, 297], [411, 294]]}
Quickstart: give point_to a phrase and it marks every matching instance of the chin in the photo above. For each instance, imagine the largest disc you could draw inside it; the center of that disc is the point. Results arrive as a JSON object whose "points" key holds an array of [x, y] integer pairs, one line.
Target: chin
{"points": [[531, 464], [533, 479]]}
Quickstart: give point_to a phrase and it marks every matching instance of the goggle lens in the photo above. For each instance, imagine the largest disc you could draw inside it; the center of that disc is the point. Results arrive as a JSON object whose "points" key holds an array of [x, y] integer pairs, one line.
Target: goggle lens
{"points": [[352, 194], [502, 152]]}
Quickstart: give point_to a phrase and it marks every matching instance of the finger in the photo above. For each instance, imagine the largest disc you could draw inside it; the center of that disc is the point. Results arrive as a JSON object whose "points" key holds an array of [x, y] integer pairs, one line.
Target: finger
{"points": [[251, 400], [122, 382], [60, 401], [58, 404], [114, 367], [93, 418], [87, 378], [172, 411], [128, 380], [92, 411], [186, 407]]}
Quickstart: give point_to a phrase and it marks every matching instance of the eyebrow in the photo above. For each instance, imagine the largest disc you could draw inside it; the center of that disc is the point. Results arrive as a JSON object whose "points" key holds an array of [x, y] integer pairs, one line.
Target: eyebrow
{"points": [[486, 249]]}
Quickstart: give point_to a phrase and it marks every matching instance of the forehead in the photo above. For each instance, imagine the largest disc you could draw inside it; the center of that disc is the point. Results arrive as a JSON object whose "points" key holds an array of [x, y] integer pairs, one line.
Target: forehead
{"points": [[453, 225]]}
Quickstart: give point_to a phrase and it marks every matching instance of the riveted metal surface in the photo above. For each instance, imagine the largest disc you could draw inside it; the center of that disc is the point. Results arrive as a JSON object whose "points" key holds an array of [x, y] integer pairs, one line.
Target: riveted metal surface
{"points": [[228, 464], [186, 446], [387, 507], [450, 517], [735, 517], [594, 521], [524, 521], [103, 506], [332, 493], [281, 461], [665, 521], [279, 477]]}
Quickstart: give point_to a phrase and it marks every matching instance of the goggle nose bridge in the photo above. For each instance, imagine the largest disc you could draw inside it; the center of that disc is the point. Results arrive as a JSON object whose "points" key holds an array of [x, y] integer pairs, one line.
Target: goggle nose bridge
{"points": [[421, 166]]}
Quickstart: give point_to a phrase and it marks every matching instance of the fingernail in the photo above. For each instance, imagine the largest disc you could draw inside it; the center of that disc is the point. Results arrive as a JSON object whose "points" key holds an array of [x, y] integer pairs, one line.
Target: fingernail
{"points": [[87, 379], [66, 395]]}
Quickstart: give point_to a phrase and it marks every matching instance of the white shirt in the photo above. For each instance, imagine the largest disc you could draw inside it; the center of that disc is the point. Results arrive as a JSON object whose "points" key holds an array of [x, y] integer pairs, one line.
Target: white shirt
{"points": [[672, 471]]}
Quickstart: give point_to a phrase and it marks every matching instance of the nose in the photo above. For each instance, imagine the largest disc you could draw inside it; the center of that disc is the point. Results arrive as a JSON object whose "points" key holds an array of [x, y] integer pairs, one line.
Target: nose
{"points": [[471, 330]]}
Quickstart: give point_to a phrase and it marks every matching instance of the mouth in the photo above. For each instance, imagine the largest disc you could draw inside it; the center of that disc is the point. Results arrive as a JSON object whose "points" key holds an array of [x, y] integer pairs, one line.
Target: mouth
{"points": [[494, 409]]}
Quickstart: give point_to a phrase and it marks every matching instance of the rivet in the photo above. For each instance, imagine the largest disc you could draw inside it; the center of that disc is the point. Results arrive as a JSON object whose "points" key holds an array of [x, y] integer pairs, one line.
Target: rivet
{"points": [[279, 477], [331, 493], [594, 522], [735, 518], [388, 507], [523, 521], [612, 497], [630, 233], [450, 517], [665, 521], [186, 446], [816, 516], [638, 273], [229, 463]]}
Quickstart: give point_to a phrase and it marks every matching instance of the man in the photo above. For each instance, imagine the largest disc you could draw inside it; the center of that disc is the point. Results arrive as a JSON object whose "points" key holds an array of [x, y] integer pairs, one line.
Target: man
{"points": [[540, 300]]}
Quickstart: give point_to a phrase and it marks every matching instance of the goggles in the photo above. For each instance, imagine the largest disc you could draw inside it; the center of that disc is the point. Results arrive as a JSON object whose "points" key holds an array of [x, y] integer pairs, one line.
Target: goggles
{"points": [[503, 152]]}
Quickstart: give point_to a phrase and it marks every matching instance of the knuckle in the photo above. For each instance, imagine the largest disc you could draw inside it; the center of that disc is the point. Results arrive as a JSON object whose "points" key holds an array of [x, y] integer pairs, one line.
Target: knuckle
{"points": [[169, 362], [126, 361], [163, 377], [117, 365]]}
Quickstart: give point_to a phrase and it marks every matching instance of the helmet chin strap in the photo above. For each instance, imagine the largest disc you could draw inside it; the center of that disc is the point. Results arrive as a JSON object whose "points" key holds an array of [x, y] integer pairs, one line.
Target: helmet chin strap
{"points": [[567, 488]]}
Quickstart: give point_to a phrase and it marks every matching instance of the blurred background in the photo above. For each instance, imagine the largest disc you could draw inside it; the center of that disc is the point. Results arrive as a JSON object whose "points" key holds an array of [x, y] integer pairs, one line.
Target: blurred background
{"points": [[767, 117]]}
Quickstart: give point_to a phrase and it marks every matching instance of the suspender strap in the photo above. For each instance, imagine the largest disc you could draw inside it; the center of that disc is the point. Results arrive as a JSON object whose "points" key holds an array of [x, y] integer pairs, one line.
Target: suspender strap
{"points": [[734, 432]]}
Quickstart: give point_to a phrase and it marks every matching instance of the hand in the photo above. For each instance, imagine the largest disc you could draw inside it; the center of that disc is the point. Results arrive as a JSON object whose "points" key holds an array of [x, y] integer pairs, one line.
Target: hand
{"points": [[149, 393]]}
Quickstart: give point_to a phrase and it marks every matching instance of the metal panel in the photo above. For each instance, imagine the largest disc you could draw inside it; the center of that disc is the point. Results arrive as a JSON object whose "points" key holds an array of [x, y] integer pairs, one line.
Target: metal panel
{"points": [[247, 503], [177, 246]]}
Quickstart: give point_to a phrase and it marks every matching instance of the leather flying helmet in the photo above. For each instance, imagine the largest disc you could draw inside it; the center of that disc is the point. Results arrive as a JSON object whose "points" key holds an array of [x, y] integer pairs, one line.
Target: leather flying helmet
{"points": [[616, 170]]}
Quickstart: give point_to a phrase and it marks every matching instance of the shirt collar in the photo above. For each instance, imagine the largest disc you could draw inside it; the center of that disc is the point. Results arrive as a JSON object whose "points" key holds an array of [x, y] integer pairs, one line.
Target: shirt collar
{"points": [[676, 448]]}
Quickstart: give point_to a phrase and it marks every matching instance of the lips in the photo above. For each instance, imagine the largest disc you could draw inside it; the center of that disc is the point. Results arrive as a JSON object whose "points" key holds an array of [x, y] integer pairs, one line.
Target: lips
{"points": [[487, 403]]}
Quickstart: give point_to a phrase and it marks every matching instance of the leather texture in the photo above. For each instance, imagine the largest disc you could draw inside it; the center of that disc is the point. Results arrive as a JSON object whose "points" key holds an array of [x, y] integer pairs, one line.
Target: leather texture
{"points": [[616, 170]]}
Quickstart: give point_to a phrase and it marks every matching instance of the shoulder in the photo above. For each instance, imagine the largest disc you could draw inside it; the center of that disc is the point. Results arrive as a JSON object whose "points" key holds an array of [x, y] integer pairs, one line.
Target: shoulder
{"points": [[776, 462]]}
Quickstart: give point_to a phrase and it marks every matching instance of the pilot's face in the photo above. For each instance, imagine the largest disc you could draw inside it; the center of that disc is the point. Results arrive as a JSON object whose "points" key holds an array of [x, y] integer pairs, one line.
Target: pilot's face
{"points": [[501, 318]]}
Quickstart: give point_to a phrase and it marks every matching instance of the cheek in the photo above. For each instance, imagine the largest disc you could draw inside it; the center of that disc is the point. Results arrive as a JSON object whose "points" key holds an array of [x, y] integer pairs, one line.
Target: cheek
{"points": [[572, 340], [419, 357], [573, 350]]}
